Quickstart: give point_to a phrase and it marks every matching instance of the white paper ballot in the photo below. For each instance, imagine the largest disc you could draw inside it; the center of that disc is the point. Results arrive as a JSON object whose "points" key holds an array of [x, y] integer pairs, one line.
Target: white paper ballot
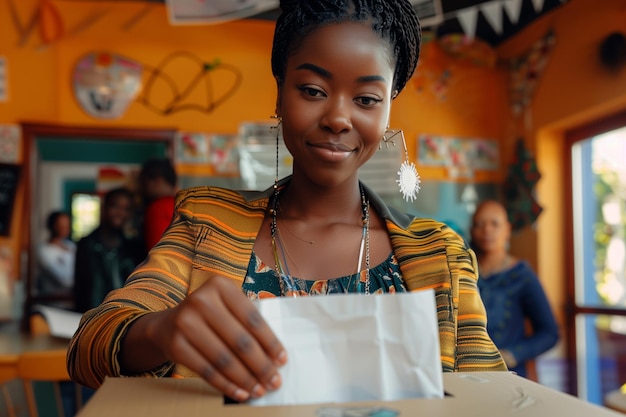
{"points": [[352, 347]]}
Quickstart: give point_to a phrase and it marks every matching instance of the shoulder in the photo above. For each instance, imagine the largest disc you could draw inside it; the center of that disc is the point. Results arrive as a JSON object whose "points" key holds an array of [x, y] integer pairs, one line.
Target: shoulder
{"points": [[206, 204], [209, 194]]}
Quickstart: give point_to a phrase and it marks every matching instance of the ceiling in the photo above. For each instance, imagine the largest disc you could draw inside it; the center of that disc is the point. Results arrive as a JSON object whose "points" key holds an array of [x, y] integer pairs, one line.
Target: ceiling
{"points": [[484, 29], [529, 10]]}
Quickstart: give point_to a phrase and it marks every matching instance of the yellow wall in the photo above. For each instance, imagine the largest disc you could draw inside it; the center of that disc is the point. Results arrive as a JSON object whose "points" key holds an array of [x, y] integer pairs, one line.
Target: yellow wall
{"points": [[40, 78], [573, 90]]}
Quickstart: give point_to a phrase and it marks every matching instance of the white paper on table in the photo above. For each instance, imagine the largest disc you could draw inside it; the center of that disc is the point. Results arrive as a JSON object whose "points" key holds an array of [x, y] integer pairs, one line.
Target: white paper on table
{"points": [[62, 323], [351, 347]]}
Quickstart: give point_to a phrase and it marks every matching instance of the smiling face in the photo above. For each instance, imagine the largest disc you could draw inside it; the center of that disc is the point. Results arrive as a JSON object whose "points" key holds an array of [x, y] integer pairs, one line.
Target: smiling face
{"points": [[335, 101]]}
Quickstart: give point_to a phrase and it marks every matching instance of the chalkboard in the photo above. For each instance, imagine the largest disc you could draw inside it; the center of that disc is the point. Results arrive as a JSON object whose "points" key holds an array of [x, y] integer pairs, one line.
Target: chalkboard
{"points": [[9, 176]]}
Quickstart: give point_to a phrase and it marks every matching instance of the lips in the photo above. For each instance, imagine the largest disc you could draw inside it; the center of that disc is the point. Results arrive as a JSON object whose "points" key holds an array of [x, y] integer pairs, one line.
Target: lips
{"points": [[331, 153], [333, 147]]}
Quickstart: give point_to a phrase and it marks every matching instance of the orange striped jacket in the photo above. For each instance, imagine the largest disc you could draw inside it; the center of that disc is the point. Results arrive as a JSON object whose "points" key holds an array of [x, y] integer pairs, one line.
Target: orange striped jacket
{"points": [[213, 230]]}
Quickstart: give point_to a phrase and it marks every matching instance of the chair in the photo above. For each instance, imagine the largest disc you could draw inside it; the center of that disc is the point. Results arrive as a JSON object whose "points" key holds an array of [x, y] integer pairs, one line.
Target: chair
{"points": [[43, 366], [6, 375], [47, 366]]}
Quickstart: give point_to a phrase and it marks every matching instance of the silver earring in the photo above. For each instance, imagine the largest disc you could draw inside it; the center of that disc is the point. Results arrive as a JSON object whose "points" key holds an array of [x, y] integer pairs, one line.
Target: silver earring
{"points": [[408, 179], [279, 122]]}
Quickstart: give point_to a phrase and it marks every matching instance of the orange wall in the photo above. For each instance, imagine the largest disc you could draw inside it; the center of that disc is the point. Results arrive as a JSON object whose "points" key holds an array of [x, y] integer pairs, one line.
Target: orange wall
{"points": [[573, 90], [40, 78]]}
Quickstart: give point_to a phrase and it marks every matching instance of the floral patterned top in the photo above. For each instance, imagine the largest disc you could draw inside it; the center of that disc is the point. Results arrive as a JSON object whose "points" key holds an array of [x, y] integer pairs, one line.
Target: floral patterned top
{"points": [[261, 281]]}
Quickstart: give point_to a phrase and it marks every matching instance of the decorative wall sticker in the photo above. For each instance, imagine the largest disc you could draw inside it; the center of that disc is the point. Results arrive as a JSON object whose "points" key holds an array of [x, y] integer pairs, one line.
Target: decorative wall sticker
{"points": [[197, 91], [526, 72], [105, 84]]}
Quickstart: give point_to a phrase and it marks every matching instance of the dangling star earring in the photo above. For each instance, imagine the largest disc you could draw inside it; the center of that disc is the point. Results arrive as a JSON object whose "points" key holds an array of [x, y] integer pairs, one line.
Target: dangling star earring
{"points": [[408, 178]]}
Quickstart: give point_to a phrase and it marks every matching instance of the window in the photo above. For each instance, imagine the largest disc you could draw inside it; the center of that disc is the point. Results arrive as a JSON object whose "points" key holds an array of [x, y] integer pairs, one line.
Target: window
{"points": [[597, 294]]}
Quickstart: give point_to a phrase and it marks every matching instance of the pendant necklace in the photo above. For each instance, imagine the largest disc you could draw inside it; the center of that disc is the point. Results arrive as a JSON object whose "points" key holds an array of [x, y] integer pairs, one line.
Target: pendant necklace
{"points": [[281, 267]]}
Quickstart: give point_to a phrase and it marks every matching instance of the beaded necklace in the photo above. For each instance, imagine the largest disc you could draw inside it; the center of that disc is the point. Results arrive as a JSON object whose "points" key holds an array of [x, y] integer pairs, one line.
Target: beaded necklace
{"points": [[285, 279]]}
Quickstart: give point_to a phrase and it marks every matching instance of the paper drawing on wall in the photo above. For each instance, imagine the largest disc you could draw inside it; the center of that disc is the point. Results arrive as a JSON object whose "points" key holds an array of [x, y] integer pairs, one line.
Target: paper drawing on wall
{"points": [[10, 143], [224, 155], [105, 84], [462, 156], [192, 147]]}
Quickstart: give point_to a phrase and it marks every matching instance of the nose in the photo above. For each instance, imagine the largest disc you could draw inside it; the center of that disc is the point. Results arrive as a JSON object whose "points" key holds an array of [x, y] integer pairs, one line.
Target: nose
{"points": [[337, 118]]}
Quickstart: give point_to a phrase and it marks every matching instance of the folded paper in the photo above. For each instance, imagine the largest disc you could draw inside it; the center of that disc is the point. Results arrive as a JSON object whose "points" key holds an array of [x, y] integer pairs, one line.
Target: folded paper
{"points": [[352, 347]]}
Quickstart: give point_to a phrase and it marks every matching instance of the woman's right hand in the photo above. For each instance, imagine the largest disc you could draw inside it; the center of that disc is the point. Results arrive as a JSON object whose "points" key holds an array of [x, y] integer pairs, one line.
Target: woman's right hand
{"points": [[217, 333]]}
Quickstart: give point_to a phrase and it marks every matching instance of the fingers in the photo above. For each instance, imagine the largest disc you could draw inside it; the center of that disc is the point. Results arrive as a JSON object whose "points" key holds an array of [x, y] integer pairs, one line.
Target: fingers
{"points": [[227, 342]]}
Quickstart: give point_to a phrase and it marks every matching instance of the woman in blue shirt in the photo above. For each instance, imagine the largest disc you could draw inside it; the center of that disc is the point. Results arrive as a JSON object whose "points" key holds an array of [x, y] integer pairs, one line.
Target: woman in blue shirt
{"points": [[511, 292]]}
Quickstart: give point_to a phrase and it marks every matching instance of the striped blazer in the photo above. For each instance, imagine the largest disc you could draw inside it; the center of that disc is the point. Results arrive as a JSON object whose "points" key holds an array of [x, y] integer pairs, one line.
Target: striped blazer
{"points": [[213, 232]]}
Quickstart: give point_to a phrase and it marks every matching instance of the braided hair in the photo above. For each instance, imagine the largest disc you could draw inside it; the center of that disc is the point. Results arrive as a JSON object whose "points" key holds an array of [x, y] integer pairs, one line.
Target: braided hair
{"points": [[395, 21]]}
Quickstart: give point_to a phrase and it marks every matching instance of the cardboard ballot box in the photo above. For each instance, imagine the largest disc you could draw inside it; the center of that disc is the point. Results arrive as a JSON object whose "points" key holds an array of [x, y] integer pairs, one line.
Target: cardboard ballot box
{"points": [[480, 394]]}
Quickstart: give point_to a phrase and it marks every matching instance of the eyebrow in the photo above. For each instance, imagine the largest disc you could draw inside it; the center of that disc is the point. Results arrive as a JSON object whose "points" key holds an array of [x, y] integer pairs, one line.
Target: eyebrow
{"points": [[326, 74]]}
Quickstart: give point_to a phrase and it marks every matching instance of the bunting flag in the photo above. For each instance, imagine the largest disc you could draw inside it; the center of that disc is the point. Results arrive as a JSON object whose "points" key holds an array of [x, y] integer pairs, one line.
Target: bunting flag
{"points": [[493, 11], [468, 18], [538, 5], [513, 9]]}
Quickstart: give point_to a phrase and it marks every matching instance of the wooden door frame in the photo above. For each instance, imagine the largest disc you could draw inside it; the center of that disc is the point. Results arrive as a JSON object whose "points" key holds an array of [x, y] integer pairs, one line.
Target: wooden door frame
{"points": [[31, 131], [572, 310]]}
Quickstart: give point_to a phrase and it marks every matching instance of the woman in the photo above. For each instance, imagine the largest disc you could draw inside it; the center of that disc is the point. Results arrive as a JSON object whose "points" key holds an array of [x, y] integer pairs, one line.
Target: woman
{"points": [[511, 292], [186, 310], [56, 257]]}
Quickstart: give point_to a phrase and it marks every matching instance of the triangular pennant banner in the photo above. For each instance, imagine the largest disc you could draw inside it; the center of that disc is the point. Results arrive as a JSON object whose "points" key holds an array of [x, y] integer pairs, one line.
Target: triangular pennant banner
{"points": [[538, 5], [493, 13], [513, 9], [468, 18]]}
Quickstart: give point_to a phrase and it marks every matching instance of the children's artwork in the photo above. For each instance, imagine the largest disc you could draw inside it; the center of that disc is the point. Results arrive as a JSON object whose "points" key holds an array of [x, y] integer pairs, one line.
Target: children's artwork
{"points": [[105, 84], [10, 143], [462, 156], [192, 147], [223, 154]]}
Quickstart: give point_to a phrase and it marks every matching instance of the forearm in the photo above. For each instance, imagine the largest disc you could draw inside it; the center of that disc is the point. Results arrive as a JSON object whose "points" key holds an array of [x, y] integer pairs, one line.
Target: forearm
{"points": [[140, 350]]}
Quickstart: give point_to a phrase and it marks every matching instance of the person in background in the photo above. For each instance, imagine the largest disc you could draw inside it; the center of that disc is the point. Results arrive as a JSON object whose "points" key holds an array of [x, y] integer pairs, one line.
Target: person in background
{"points": [[106, 257], [157, 184], [188, 310], [511, 292], [56, 257]]}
